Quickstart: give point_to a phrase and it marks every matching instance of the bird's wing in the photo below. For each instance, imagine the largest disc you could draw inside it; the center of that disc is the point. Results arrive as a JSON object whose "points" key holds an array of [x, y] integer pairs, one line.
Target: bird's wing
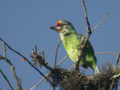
{"points": [[88, 51]]}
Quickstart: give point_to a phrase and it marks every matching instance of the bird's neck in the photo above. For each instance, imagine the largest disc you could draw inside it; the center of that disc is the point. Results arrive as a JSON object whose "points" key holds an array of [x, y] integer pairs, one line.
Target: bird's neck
{"points": [[63, 36]]}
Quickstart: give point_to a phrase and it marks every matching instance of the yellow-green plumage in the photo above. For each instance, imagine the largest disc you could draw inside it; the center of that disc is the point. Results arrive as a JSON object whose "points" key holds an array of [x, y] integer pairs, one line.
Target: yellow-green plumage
{"points": [[72, 41], [72, 46]]}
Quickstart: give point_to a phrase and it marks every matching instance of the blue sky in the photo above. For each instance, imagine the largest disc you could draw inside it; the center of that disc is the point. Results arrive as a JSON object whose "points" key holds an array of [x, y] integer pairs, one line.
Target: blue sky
{"points": [[24, 23]]}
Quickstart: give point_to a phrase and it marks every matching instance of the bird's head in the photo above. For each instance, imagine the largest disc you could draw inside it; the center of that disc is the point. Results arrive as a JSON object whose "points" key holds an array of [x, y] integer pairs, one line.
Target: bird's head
{"points": [[63, 27]]}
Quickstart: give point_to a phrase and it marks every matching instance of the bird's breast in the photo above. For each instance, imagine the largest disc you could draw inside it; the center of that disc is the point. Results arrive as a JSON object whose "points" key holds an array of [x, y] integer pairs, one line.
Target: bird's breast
{"points": [[71, 46]]}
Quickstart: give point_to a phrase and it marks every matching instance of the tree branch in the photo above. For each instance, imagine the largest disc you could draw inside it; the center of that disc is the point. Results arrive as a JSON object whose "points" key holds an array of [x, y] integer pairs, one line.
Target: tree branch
{"points": [[27, 60], [38, 83], [13, 71], [5, 77], [56, 53], [84, 40], [4, 49]]}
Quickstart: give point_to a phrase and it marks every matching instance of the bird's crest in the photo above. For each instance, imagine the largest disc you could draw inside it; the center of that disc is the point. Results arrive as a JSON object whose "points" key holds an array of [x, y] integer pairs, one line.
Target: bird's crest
{"points": [[59, 22]]}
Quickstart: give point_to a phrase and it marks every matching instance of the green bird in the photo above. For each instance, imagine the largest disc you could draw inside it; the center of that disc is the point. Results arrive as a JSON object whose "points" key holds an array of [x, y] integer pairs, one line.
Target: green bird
{"points": [[72, 41]]}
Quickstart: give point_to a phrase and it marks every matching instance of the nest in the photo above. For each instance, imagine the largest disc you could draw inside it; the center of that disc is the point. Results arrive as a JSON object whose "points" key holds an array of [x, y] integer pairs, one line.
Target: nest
{"points": [[75, 80]]}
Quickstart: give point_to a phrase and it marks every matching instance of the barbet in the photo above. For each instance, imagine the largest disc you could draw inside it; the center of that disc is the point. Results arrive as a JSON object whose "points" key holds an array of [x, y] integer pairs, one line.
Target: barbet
{"points": [[72, 41]]}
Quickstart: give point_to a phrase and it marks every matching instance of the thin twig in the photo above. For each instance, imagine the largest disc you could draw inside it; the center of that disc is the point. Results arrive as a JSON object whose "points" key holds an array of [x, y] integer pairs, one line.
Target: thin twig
{"points": [[16, 78], [27, 60], [38, 83], [101, 21], [5, 77], [4, 49], [62, 60], [117, 59], [6, 59], [106, 53], [56, 53], [86, 18], [13, 71]]}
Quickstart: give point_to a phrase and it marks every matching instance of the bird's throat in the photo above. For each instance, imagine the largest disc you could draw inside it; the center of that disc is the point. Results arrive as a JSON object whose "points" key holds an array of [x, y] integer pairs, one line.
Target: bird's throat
{"points": [[61, 36], [64, 35]]}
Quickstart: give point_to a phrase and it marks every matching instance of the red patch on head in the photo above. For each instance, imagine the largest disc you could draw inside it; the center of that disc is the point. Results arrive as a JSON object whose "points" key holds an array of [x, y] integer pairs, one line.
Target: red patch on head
{"points": [[59, 23]]}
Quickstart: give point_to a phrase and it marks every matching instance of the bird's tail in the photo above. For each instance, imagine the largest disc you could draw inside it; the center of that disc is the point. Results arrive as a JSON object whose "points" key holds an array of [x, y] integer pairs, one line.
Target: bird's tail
{"points": [[96, 70]]}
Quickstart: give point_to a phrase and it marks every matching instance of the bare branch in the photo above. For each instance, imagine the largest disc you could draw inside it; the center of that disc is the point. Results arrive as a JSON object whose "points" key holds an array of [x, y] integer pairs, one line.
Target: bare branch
{"points": [[16, 78], [62, 60], [13, 71], [86, 18], [18, 53], [5, 77], [4, 49]]}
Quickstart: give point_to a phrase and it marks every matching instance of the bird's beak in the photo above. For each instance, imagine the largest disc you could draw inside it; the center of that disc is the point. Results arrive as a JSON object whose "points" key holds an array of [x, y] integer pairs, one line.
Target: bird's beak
{"points": [[54, 28]]}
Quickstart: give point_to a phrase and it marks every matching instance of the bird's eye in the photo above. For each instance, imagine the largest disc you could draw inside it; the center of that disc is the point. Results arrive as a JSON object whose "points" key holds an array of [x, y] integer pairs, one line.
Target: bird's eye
{"points": [[66, 26], [58, 27]]}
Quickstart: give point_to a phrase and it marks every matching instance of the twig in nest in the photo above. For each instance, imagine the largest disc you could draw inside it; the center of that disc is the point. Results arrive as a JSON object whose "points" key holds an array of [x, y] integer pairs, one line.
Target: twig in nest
{"points": [[56, 53], [39, 59], [58, 75]]}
